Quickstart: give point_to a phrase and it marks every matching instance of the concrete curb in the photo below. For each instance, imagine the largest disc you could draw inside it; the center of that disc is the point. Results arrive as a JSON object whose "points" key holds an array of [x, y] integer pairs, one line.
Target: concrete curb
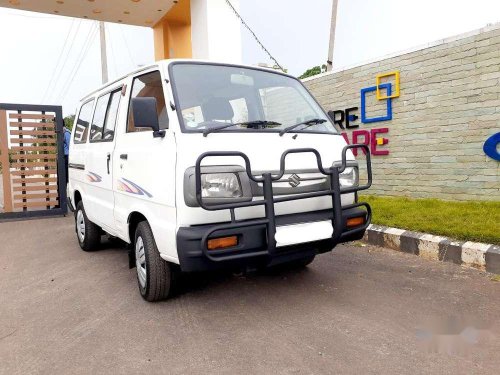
{"points": [[473, 254]]}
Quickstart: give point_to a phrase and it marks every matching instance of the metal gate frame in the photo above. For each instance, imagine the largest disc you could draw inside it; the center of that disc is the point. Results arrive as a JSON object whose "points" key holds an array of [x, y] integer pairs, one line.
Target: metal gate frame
{"points": [[61, 170]]}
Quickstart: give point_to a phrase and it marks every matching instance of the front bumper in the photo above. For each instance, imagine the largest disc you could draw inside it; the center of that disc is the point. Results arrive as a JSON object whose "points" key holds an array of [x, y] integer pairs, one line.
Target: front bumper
{"points": [[257, 237], [252, 249]]}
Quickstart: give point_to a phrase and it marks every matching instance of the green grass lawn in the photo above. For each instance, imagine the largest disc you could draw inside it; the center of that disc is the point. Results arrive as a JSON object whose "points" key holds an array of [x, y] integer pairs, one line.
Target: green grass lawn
{"points": [[467, 221]]}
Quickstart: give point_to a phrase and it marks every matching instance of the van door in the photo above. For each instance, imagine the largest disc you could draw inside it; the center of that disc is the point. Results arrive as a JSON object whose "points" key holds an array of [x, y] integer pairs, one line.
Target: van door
{"points": [[145, 166], [99, 159]]}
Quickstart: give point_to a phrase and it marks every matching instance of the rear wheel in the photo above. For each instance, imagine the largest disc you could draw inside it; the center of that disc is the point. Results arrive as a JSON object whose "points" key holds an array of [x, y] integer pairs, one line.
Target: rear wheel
{"points": [[156, 277], [88, 233]]}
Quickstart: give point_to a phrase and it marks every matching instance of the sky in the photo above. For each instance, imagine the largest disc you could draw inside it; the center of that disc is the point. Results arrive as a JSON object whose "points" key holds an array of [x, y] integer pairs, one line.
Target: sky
{"points": [[56, 60]]}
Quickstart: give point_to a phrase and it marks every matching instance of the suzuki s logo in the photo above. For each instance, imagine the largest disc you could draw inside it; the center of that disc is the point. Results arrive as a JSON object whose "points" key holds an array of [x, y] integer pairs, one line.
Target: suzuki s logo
{"points": [[294, 180]]}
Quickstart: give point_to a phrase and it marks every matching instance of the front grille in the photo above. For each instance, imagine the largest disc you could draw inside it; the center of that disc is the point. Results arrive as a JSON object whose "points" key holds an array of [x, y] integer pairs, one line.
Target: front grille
{"points": [[295, 182]]}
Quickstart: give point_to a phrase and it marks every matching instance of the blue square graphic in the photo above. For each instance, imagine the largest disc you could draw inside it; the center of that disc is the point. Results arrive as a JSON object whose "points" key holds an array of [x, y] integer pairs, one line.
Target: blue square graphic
{"points": [[388, 116]]}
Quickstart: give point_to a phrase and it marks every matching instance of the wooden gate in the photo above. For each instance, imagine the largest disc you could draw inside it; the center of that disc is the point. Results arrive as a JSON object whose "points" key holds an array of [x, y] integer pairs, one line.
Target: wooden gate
{"points": [[32, 161]]}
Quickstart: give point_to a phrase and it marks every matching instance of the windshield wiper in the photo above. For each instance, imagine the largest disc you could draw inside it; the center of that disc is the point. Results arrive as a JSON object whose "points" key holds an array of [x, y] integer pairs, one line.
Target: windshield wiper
{"points": [[314, 121], [248, 124]]}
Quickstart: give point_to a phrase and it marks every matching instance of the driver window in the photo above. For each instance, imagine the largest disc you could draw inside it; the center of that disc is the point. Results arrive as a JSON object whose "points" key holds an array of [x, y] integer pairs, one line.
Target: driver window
{"points": [[148, 85]]}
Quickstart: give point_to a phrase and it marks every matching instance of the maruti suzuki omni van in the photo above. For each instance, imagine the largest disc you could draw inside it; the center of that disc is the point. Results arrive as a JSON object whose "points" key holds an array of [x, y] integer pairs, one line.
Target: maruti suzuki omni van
{"points": [[202, 166]]}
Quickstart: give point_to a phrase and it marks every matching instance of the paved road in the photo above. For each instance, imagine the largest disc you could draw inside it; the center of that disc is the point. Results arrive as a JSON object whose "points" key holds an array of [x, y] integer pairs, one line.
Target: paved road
{"points": [[1, 194], [356, 310]]}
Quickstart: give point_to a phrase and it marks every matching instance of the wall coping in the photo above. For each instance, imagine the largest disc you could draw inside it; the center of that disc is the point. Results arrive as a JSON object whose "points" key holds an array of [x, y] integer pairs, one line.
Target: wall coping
{"points": [[488, 28]]}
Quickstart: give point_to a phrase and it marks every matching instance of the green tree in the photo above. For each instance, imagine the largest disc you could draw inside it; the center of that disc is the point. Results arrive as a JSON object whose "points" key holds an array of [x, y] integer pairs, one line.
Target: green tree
{"points": [[313, 71], [68, 121]]}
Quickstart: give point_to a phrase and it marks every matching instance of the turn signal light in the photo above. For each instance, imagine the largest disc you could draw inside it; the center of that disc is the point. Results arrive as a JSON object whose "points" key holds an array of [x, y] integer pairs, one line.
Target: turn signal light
{"points": [[355, 221], [222, 242]]}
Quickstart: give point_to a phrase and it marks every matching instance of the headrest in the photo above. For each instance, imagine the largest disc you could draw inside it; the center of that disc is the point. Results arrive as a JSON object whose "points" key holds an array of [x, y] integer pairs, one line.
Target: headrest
{"points": [[217, 109]]}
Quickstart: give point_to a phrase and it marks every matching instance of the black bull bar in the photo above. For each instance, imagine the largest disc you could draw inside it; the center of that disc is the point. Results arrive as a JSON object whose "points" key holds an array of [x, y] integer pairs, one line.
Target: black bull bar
{"points": [[269, 200]]}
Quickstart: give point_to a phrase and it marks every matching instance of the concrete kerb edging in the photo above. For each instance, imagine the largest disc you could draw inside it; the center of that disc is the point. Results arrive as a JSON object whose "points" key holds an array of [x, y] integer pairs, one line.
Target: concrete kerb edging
{"points": [[473, 254]]}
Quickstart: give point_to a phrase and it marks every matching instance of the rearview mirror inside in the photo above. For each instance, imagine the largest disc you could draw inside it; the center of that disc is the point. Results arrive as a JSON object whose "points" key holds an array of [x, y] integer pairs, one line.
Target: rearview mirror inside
{"points": [[241, 79]]}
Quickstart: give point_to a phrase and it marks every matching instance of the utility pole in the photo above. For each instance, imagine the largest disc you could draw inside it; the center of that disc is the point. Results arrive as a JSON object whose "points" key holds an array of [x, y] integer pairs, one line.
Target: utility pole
{"points": [[104, 57], [329, 62]]}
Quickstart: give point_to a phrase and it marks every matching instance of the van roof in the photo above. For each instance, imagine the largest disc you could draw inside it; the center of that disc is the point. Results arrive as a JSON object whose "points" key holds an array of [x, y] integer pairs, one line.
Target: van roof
{"points": [[120, 79], [167, 62]]}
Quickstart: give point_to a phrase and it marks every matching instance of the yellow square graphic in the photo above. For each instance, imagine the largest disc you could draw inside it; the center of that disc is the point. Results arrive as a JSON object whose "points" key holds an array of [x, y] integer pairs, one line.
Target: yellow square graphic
{"points": [[395, 93]]}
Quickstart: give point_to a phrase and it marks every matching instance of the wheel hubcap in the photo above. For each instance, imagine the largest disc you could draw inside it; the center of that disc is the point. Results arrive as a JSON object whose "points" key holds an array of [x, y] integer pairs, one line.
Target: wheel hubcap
{"points": [[80, 226], [140, 261]]}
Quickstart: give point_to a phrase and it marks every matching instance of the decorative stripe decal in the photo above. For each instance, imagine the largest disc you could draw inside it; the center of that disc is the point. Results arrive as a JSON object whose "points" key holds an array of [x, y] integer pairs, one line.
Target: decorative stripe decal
{"points": [[132, 188], [93, 177]]}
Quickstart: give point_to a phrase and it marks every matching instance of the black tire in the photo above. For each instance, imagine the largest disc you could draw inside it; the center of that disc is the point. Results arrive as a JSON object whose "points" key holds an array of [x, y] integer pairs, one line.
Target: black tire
{"points": [[91, 234], [160, 276]]}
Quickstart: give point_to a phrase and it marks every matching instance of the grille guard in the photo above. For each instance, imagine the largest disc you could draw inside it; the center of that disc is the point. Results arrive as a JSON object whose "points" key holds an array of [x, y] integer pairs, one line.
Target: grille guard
{"points": [[269, 200]]}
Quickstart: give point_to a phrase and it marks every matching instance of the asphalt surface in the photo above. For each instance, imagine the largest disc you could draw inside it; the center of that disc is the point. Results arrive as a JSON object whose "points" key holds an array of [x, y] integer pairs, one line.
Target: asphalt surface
{"points": [[357, 310]]}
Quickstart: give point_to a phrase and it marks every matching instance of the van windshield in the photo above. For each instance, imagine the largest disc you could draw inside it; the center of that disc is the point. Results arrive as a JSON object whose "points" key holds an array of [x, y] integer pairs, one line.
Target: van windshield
{"points": [[227, 98]]}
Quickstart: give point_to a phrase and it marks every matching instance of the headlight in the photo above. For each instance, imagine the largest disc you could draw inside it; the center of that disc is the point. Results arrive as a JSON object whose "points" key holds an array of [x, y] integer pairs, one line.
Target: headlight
{"points": [[220, 185], [349, 177]]}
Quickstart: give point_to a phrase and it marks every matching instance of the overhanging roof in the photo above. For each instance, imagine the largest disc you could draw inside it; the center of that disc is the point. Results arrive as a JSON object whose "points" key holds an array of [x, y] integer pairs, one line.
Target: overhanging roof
{"points": [[132, 12]]}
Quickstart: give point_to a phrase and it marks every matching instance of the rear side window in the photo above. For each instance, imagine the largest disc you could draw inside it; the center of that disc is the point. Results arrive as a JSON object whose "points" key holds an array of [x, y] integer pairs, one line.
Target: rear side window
{"points": [[110, 123], [98, 119], [148, 85], [105, 114], [82, 124]]}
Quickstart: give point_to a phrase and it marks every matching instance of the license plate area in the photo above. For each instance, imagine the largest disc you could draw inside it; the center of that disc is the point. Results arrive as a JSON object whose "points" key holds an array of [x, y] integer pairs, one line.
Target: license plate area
{"points": [[304, 232]]}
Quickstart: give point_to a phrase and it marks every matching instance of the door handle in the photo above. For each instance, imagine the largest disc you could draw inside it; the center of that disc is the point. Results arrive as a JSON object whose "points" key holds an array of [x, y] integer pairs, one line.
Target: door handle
{"points": [[108, 159], [124, 156]]}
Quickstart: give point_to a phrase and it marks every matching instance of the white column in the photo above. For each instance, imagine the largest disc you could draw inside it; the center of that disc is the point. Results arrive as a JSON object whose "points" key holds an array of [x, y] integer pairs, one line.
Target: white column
{"points": [[329, 62], [104, 56], [215, 31]]}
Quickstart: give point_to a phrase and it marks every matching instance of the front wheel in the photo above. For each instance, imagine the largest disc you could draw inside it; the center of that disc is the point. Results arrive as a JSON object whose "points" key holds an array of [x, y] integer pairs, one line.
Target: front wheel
{"points": [[156, 277]]}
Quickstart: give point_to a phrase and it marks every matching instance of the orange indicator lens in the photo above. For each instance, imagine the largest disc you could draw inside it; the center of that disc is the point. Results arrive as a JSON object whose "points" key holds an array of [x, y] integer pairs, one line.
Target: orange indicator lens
{"points": [[223, 242], [355, 221]]}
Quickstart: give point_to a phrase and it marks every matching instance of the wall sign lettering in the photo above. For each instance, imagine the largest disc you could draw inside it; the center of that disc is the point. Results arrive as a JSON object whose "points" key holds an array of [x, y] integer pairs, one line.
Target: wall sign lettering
{"points": [[346, 115], [388, 116], [490, 147], [347, 119]]}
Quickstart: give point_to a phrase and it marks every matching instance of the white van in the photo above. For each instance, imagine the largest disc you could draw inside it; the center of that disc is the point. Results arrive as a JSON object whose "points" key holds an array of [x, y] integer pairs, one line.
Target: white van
{"points": [[200, 165]]}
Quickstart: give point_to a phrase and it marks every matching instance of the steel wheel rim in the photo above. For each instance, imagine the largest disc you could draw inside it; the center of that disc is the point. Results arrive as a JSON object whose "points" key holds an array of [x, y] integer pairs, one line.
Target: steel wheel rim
{"points": [[80, 225], [140, 261]]}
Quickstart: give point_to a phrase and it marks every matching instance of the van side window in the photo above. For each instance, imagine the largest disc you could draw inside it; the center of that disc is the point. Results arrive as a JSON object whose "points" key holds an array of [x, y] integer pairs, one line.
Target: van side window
{"points": [[98, 119], [105, 114], [112, 115], [82, 124], [148, 85]]}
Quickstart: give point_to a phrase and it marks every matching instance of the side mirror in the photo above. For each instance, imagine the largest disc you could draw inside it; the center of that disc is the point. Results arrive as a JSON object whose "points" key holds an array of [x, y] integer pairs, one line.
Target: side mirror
{"points": [[145, 115]]}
